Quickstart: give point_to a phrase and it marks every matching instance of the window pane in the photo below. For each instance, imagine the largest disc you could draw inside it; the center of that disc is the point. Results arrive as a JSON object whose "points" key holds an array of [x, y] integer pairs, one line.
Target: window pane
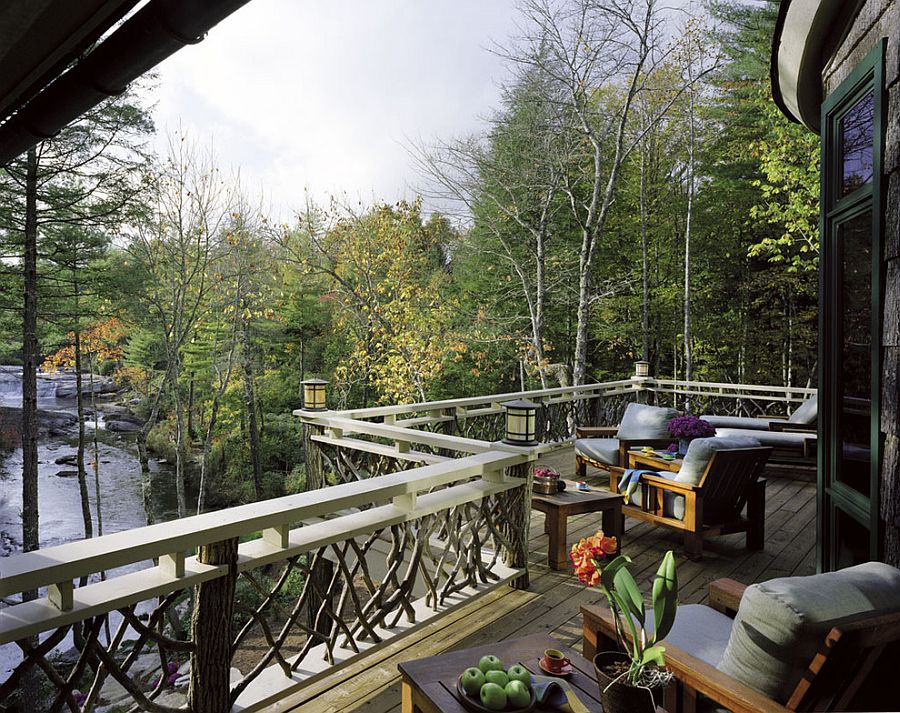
{"points": [[851, 541], [855, 240], [856, 136]]}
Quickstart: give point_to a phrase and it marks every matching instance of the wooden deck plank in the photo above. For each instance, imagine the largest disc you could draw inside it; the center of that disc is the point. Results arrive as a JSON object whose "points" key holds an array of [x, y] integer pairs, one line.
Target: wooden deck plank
{"points": [[551, 604]]}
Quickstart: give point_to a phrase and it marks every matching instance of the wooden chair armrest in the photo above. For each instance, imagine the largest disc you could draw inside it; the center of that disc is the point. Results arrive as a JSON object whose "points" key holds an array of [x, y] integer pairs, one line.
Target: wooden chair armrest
{"points": [[670, 485], [595, 431], [720, 687], [598, 628], [725, 595], [793, 427]]}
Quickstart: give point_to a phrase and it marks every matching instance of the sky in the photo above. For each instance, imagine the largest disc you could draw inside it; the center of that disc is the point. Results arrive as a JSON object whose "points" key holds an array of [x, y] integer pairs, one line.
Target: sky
{"points": [[327, 95]]}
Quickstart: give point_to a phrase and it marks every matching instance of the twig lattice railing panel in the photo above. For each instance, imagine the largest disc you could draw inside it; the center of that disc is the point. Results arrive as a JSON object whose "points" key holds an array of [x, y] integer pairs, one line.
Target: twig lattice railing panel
{"points": [[727, 399], [297, 600]]}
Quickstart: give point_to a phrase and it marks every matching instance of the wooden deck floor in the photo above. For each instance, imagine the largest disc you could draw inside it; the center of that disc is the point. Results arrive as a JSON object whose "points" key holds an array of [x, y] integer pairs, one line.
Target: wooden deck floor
{"points": [[552, 602]]}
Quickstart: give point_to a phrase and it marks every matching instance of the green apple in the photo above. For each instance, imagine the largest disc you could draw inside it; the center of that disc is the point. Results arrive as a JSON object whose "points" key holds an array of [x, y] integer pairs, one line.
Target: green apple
{"points": [[498, 677], [472, 680], [519, 673], [518, 694], [493, 696], [490, 663]]}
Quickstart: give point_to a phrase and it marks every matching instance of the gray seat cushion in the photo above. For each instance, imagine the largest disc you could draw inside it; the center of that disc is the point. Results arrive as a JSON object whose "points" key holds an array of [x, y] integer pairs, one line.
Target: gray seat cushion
{"points": [[776, 439], [698, 630], [701, 451], [781, 623], [807, 413], [745, 422], [673, 505], [641, 421], [604, 450], [702, 632]]}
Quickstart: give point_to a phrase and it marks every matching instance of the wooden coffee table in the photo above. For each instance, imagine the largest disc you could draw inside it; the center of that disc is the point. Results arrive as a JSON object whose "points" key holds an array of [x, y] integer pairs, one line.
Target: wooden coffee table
{"points": [[570, 501], [429, 685]]}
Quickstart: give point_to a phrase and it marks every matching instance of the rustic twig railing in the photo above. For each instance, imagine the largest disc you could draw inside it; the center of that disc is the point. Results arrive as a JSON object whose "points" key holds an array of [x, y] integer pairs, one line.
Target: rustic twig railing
{"points": [[410, 511]]}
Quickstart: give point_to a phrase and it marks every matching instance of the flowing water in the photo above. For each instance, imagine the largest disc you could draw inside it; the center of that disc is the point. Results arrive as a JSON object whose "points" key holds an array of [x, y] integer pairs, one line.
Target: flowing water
{"points": [[125, 502]]}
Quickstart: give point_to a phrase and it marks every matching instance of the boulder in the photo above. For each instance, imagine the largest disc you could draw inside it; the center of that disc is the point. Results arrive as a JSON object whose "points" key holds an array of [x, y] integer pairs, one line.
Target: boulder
{"points": [[119, 426], [65, 473], [71, 459]]}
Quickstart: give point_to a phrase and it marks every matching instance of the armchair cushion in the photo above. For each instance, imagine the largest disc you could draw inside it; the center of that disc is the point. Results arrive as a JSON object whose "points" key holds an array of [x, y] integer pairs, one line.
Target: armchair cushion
{"points": [[604, 450], [776, 439], [781, 623], [673, 505], [807, 413], [701, 450], [642, 421], [746, 422], [701, 631]]}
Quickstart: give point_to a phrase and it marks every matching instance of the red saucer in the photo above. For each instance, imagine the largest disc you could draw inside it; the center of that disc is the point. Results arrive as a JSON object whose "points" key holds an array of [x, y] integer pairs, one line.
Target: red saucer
{"points": [[564, 671]]}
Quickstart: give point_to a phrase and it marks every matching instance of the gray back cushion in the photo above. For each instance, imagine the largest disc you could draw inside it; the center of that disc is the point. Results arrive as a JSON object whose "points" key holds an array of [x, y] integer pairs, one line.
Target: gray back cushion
{"points": [[781, 623], [701, 450], [807, 413], [640, 421]]}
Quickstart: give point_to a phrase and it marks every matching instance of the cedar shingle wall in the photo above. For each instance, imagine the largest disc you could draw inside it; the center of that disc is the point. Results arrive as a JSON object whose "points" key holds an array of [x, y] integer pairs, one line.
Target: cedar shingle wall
{"points": [[877, 19]]}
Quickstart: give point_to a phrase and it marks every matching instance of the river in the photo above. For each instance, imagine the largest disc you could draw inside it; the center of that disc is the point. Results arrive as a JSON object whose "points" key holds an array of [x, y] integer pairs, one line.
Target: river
{"points": [[122, 501]]}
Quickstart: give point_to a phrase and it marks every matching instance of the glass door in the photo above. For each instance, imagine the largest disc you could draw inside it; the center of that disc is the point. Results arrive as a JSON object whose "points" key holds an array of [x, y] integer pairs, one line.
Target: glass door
{"points": [[851, 301]]}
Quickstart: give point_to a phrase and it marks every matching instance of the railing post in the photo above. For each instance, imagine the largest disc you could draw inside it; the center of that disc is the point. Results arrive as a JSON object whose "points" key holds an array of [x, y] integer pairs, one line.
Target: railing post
{"points": [[517, 523], [210, 687], [315, 470], [322, 571]]}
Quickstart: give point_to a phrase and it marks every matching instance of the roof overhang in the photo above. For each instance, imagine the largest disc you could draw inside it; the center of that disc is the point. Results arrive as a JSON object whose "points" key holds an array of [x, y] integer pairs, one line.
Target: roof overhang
{"points": [[806, 33], [60, 58]]}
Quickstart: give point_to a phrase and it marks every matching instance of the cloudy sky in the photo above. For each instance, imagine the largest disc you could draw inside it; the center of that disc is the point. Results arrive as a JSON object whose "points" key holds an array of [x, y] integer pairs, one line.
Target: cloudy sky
{"points": [[325, 95]]}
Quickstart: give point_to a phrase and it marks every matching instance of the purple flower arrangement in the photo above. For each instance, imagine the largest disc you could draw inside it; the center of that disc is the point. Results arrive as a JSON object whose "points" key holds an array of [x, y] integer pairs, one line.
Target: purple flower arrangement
{"points": [[690, 427]]}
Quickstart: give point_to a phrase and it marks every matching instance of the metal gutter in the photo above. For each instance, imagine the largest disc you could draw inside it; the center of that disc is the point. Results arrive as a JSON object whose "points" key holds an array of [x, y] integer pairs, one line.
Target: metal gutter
{"points": [[152, 34]]}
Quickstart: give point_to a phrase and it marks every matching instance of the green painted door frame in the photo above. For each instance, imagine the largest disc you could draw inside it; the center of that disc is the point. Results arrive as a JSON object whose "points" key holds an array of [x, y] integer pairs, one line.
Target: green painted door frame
{"points": [[845, 511]]}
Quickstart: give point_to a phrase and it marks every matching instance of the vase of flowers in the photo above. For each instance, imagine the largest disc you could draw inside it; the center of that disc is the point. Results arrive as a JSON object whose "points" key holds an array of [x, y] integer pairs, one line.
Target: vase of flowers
{"points": [[546, 480], [633, 679], [687, 428]]}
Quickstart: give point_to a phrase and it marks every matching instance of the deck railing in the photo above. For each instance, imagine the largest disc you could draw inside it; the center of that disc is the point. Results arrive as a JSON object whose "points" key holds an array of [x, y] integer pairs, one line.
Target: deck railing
{"points": [[410, 511]]}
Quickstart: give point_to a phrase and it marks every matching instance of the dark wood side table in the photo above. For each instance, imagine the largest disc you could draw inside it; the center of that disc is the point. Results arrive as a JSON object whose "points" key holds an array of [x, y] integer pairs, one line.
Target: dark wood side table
{"points": [[638, 459], [428, 685], [560, 506]]}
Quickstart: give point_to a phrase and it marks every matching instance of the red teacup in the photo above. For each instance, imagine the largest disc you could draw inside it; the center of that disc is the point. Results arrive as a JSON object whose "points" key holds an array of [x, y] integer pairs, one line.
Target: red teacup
{"points": [[554, 661]]}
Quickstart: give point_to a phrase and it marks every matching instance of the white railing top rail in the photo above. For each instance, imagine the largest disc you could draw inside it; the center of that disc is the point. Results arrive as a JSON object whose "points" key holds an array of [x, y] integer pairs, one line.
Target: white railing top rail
{"points": [[31, 570], [713, 388], [606, 388], [620, 386]]}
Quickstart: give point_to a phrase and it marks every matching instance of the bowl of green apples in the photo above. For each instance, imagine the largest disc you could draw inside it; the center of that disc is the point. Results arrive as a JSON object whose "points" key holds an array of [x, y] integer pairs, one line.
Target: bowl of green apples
{"points": [[489, 687]]}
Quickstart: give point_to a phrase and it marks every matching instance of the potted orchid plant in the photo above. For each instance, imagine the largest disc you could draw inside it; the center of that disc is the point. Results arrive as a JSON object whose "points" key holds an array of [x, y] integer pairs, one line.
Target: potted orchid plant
{"points": [[632, 679]]}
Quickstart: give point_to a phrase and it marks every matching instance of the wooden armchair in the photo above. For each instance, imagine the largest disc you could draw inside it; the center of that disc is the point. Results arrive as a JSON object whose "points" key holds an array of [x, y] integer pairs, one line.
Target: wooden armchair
{"points": [[714, 505], [850, 671], [582, 460], [606, 447]]}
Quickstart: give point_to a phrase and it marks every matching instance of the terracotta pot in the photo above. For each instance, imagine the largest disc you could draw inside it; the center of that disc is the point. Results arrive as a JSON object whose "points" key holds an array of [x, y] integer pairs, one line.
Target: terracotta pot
{"points": [[619, 697]]}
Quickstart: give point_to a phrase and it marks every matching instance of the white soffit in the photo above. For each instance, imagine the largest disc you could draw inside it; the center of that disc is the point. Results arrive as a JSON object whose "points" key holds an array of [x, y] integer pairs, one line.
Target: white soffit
{"points": [[807, 26]]}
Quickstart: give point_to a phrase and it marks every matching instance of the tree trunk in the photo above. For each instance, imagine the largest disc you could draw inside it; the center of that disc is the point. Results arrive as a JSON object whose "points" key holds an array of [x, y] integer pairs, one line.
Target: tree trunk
{"points": [[210, 690], [179, 438], [97, 493], [79, 454], [190, 408], [30, 517], [250, 407], [645, 267], [688, 352]]}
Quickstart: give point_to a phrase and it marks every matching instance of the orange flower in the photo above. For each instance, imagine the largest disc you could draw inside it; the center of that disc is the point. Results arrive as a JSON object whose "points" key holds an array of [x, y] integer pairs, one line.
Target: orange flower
{"points": [[588, 554]]}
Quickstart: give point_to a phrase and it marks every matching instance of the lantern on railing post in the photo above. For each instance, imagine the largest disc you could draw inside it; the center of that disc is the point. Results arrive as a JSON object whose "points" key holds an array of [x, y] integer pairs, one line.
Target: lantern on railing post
{"points": [[314, 395], [642, 369], [521, 423]]}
